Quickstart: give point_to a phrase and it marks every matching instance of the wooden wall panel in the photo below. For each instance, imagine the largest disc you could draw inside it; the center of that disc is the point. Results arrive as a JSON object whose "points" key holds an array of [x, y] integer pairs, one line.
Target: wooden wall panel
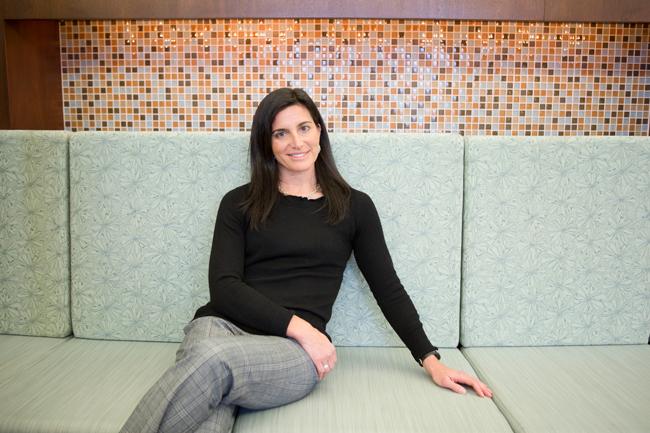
{"points": [[4, 101], [597, 10], [33, 74], [527, 10], [125, 9]]}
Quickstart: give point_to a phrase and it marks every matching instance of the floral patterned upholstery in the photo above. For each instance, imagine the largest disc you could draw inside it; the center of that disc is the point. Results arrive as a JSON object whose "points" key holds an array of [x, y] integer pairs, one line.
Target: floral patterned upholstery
{"points": [[556, 243], [143, 209], [415, 181], [142, 214], [34, 245]]}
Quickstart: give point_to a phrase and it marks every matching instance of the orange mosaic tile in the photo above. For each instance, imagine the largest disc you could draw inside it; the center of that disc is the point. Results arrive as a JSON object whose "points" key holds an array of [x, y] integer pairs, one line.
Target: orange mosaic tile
{"points": [[470, 77]]}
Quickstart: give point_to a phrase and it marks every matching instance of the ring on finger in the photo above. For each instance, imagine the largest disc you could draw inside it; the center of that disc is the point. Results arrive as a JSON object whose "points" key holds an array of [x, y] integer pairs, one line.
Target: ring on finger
{"points": [[326, 366]]}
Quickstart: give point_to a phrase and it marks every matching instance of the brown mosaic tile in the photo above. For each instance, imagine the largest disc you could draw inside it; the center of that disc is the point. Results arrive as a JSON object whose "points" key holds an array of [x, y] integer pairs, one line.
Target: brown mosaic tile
{"points": [[471, 77]]}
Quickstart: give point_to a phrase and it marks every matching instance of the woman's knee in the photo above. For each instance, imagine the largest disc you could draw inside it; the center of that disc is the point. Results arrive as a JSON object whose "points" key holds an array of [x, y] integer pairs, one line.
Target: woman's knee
{"points": [[305, 377], [274, 378], [254, 372]]}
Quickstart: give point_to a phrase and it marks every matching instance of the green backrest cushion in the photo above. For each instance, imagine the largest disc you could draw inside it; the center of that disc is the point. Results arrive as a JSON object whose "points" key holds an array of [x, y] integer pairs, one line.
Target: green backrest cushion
{"points": [[142, 214], [556, 241], [34, 233]]}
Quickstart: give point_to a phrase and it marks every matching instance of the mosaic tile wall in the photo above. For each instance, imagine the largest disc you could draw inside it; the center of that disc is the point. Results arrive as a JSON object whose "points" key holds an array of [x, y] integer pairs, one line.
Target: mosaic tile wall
{"points": [[470, 77]]}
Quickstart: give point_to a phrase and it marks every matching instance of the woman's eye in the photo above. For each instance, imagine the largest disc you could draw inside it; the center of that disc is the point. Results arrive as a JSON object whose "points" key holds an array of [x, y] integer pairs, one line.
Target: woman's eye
{"points": [[278, 134], [305, 128]]}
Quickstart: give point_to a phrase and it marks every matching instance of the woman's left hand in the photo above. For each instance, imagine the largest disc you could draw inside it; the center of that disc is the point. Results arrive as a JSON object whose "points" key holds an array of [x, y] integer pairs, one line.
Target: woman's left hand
{"points": [[446, 377]]}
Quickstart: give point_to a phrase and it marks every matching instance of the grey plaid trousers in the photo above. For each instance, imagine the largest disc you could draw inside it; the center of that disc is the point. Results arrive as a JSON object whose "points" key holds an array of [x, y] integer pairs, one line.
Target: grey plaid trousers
{"points": [[219, 368]]}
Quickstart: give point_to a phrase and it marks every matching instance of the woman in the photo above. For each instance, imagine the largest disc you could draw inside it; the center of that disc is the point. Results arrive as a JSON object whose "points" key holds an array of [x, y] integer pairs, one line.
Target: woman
{"points": [[280, 246]]}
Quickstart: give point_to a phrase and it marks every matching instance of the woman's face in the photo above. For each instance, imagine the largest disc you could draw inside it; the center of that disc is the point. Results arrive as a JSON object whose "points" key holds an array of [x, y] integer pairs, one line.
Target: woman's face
{"points": [[295, 139]]}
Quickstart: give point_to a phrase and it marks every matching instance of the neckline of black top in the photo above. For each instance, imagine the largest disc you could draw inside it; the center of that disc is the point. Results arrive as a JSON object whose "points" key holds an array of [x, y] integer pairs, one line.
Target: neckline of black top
{"points": [[300, 198]]}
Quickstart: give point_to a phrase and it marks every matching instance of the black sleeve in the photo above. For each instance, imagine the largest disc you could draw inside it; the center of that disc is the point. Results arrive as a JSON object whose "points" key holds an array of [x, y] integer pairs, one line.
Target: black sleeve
{"points": [[373, 258], [230, 296]]}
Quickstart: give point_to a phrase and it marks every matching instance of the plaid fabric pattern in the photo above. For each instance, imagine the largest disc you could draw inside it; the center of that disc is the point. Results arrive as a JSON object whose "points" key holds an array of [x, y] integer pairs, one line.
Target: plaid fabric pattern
{"points": [[219, 368]]}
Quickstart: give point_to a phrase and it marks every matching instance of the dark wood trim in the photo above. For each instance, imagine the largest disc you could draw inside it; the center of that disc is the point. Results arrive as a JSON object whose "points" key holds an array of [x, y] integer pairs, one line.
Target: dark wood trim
{"points": [[527, 10], [4, 97], [515, 10], [34, 74], [627, 11], [161, 9]]}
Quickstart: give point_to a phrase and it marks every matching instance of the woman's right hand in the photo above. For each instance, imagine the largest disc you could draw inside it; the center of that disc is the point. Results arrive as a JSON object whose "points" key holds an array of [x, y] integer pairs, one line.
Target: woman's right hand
{"points": [[321, 351]]}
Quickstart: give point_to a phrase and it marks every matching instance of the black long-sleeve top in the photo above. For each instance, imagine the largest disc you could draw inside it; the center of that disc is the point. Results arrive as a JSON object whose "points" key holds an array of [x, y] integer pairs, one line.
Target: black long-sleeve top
{"points": [[294, 265]]}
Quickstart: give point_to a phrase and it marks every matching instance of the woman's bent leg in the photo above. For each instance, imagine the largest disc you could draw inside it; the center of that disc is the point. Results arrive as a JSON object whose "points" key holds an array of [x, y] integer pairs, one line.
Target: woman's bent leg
{"points": [[256, 372], [150, 410], [218, 368]]}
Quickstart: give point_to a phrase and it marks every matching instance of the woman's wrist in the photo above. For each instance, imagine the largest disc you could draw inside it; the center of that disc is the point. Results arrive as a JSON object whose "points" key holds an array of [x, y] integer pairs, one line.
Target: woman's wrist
{"points": [[432, 354], [298, 328], [432, 365]]}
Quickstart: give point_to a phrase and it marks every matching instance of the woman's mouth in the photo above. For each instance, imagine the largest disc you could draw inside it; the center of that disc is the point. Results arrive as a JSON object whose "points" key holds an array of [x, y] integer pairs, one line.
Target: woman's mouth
{"points": [[297, 155]]}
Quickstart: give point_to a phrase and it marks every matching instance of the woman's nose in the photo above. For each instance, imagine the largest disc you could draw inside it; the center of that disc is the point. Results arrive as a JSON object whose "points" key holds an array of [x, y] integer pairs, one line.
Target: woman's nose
{"points": [[294, 139]]}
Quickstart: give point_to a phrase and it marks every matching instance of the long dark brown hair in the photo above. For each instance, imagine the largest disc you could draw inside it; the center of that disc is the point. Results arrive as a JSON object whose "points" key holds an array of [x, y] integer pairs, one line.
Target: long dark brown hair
{"points": [[263, 189]]}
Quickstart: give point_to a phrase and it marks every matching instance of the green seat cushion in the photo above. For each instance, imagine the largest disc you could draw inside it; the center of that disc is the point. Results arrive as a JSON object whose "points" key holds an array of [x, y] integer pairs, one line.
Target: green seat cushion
{"points": [[19, 353], [82, 386], [570, 389], [379, 390]]}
